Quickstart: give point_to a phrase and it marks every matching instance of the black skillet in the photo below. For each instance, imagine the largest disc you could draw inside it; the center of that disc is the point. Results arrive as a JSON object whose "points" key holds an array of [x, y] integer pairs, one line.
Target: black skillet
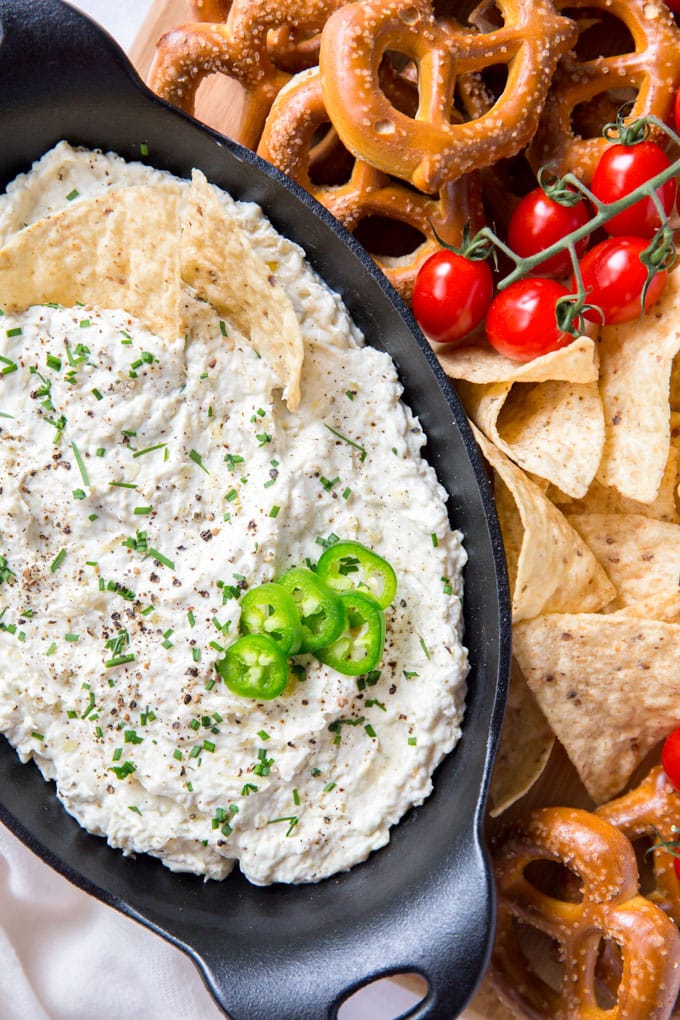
{"points": [[425, 903]]}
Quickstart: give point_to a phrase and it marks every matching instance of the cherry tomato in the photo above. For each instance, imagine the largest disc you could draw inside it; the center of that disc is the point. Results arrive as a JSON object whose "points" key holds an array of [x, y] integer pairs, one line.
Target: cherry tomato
{"points": [[521, 321], [676, 867], [670, 758], [539, 221], [622, 168], [676, 110], [614, 278], [451, 295], [673, 5]]}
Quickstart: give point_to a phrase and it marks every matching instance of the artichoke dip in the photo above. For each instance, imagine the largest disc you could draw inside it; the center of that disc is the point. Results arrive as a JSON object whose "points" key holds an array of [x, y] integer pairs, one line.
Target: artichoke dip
{"points": [[186, 412]]}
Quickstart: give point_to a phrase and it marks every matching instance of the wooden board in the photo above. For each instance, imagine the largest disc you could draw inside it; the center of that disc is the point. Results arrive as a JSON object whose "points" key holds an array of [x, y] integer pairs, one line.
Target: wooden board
{"points": [[219, 102]]}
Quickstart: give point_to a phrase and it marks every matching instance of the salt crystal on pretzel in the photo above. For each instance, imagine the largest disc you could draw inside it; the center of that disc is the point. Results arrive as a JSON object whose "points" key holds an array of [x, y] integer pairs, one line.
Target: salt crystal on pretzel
{"points": [[608, 910], [288, 141], [242, 47], [429, 149], [651, 70]]}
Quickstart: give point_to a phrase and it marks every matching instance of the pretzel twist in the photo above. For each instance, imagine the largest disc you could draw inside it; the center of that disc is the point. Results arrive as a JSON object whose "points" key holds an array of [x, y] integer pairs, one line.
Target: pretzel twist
{"points": [[652, 70], [288, 141], [649, 811], [256, 45], [610, 909], [429, 149]]}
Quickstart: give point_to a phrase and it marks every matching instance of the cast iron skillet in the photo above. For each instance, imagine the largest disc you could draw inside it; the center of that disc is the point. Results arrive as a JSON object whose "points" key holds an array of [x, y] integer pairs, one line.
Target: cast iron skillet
{"points": [[424, 903]]}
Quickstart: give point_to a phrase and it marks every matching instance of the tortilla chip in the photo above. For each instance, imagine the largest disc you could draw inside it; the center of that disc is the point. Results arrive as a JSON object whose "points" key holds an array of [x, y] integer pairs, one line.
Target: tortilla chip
{"points": [[608, 684], [524, 749], [218, 261], [601, 499], [576, 363], [641, 555], [117, 250], [546, 415], [635, 381], [551, 568]]}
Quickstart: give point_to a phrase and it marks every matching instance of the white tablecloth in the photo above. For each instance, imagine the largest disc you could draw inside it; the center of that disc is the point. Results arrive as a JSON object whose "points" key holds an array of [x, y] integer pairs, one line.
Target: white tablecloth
{"points": [[64, 955]]}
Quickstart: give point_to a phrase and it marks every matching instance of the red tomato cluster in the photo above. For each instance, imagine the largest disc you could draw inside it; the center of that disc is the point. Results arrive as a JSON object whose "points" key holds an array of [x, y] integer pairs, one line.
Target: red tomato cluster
{"points": [[454, 294]]}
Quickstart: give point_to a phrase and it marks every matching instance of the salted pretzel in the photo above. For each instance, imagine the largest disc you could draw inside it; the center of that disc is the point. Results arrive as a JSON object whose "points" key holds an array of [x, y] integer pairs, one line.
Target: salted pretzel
{"points": [[608, 908], [651, 812], [288, 141], [430, 150], [257, 44], [593, 74]]}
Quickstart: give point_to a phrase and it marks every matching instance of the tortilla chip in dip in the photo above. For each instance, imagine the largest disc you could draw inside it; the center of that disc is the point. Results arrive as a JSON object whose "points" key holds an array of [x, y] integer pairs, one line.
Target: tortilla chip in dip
{"points": [[551, 568], [636, 361], [608, 684], [98, 252], [546, 415], [220, 264]]}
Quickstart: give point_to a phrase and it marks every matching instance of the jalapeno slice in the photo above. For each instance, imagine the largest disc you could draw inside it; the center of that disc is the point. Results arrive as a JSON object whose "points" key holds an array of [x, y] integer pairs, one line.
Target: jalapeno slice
{"points": [[349, 565], [359, 648], [269, 609], [254, 667], [322, 614]]}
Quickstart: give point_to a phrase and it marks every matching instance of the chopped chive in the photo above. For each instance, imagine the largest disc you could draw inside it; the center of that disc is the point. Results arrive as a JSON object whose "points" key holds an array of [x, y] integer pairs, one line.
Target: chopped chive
{"points": [[97, 394], [14, 332], [9, 365], [79, 494], [177, 754], [124, 485], [119, 660], [191, 618], [369, 729], [57, 561], [274, 512], [223, 327], [72, 637], [291, 819], [148, 449], [197, 459], [52, 649], [117, 754], [424, 647], [133, 807], [328, 787], [160, 558], [81, 465], [52, 361], [412, 741], [435, 540], [100, 451], [38, 736], [143, 149], [72, 194], [350, 442], [142, 511]]}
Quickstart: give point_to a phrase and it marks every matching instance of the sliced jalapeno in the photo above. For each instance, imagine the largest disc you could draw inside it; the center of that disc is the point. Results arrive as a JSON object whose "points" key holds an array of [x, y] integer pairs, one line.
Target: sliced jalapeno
{"points": [[270, 610], [348, 565], [359, 648], [322, 614], [254, 667]]}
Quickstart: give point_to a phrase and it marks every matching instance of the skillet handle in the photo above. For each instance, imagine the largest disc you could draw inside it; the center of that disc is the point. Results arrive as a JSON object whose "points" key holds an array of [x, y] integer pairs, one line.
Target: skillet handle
{"points": [[441, 932]]}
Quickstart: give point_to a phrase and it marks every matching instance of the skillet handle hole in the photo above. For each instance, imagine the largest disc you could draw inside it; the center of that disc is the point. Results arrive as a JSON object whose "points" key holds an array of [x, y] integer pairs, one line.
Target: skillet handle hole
{"points": [[386, 998]]}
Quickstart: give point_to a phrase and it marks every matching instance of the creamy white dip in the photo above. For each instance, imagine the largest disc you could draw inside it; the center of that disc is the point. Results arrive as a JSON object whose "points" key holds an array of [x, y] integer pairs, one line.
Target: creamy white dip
{"points": [[144, 486]]}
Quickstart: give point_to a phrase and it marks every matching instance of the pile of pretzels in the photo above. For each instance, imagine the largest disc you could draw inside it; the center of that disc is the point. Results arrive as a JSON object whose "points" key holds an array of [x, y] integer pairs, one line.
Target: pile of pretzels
{"points": [[406, 118], [569, 887]]}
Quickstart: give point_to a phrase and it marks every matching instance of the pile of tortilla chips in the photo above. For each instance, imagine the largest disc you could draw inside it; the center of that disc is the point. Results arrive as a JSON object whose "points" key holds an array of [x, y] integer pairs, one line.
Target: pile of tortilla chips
{"points": [[584, 447], [167, 253]]}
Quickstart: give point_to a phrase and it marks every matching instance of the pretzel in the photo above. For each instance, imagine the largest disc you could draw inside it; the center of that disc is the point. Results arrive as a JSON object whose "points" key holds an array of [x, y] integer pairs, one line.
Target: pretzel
{"points": [[429, 150], [652, 811], [651, 70], [243, 47], [610, 908], [296, 118]]}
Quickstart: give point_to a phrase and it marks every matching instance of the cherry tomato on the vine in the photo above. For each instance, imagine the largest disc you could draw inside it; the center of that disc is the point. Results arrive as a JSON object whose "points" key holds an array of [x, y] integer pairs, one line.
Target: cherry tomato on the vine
{"points": [[670, 758], [614, 278], [622, 168], [521, 322], [538, 221], [677, 109], [451, 295]]}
